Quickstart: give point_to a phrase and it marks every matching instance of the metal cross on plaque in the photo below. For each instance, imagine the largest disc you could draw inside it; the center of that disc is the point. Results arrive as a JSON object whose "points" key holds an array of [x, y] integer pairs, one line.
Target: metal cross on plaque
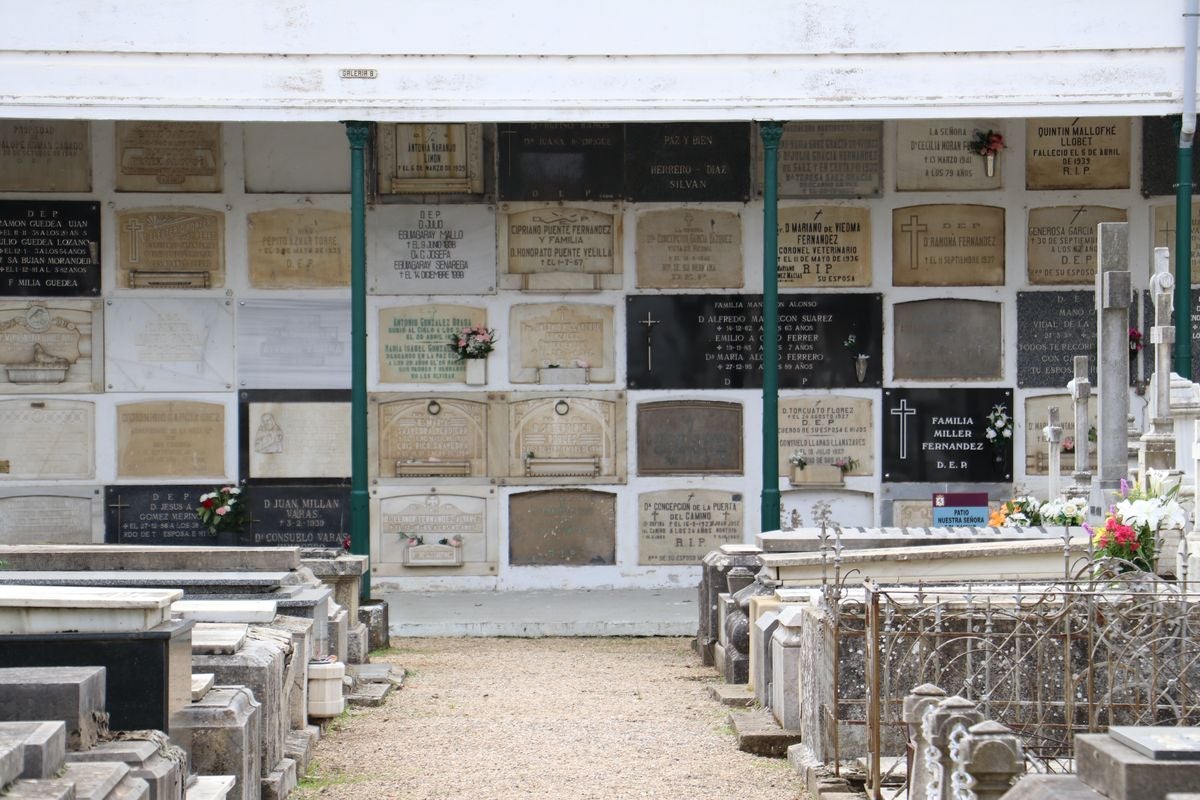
{"points": [[649, 322], [903, 412]]}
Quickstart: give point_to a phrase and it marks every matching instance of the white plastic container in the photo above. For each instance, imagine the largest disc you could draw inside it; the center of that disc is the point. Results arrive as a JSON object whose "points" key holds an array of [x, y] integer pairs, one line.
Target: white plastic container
{"points": [[325, 689]]}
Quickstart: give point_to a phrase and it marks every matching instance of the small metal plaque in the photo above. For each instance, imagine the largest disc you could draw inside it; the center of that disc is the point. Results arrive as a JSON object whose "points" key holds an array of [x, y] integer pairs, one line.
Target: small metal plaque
{"points": [[168, 280], [1160, 742]]}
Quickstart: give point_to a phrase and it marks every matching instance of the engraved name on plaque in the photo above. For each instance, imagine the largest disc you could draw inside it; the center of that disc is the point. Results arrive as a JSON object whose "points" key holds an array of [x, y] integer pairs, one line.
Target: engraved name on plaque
{"points": [[170, 248]]}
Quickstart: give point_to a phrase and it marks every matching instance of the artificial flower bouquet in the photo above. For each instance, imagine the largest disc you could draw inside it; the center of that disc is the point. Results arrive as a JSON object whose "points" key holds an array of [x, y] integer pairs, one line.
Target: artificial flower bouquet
{"points": [[1020, 512], [475, 341], [1130, 531], [223, 509]]}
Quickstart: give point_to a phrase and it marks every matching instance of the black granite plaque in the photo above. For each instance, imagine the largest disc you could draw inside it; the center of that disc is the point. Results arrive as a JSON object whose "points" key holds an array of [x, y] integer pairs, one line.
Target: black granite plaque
{"points": [[940, 436], [159, 514], [684, 161], [689, 437], [1160, 148], [49, 248], [713, 341], [1147, 352], [1053, 328], [561, 161], [298, 516]]}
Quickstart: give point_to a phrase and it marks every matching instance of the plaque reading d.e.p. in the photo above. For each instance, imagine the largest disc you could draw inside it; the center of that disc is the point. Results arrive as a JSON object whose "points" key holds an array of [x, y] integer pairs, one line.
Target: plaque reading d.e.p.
{"points": [[703, 341], [1077, 153], [561, 161], [1061, 245], [682, 161], [942, 435], [1160, 144], [431, 250], [948, 245], [157, 514], [49, 248], [297, 516], [1054, 328]]}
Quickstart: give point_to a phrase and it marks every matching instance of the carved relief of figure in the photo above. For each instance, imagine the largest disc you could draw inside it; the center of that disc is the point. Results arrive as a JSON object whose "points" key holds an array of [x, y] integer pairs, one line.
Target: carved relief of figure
{"points": [[268, 438], [43, 359]]}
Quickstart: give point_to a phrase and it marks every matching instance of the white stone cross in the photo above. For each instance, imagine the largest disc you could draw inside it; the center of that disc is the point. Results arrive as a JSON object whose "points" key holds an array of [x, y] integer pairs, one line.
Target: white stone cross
{"points": [[903, 413], [649, 322]]}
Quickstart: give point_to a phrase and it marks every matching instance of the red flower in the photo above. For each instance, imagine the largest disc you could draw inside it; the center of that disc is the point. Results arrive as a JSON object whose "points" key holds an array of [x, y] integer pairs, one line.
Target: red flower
{"points": [[207, 503]]}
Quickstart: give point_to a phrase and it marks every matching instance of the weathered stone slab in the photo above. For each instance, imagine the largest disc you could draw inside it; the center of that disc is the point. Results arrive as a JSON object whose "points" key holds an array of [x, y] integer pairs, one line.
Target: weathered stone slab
{"points": [[936, 155], [45, 155], [565, 335], [1078, 152], [298, 248], [564, 527], [825, 429], [47, 439], [829, 158], [44, 746], [413, 342], [846, 508], [240, 611], [566, 439], [409, 519], [689, 248], [1061, 243], [297, 439], [169, 344], [71, 695], [170, 248], [824, 246], [948, 245], [169, 157], [1158, 742], [679, 526], [948, 340], [559, 248], [448, 249], [215, 638], [63, 609], [223, 734], [689, 437], [442, 158], [272, 150], [51, 346], [110, 557], [170, 439], [1163, 235], [758, 733], [421, 437], [1120, 772], [293, 344], [808, 539]]}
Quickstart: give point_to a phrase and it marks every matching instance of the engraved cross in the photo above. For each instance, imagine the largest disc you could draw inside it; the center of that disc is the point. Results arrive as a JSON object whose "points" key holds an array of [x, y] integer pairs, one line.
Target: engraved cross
{"points": [[902, 414], [135, 240], [118, 506], [913, 227], [649, 322]]}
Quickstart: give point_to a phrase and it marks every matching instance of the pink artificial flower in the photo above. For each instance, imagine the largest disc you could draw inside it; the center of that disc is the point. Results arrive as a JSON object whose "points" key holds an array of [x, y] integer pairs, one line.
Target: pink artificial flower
{"points": [[222, 511]]}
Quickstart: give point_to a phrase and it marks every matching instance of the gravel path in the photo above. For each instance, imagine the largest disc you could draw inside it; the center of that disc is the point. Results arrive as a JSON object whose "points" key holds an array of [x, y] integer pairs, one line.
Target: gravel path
{"points": [[490, 719]]}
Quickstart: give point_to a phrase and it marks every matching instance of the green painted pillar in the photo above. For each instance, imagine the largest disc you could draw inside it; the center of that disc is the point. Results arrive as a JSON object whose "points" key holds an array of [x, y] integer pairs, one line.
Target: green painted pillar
{"points": [[360, 506], [771, 133], [1183, 261]]}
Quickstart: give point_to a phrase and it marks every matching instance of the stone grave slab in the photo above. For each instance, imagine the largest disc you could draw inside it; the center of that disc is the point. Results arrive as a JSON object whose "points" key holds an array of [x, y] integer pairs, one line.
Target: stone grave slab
{"points": [[827, 428], [202, 682], [566, 438], [1119, 771], [966, 335], [298, 248], [1037, 417], [1160, 143], [424, 436], [169, 156], [948, 245], [413, 342], [447, 249], [293, 344], [565, 335], [155, 514], [1061, 243], [551, 161], [236, 611], [273, 149], [681, 526], [71, 695], [45, 155], [553, 248], [711, 341], [82, 609], [1055, 327], [689, 248], [934, 155], [297, 516], [51, 515], [846, 508], [170, 439], [170, 248], [1078, 152], [294, 434], [173, 558], [52, 248], [51, 346], [827, 159], [1160, 743], [167, 344], [689, 437], [1163, 235], [47, 439], [562, 527], [218, 638], [416, 529], [687, 162], [436, 158], [939, 435], [824, 246], [44, 747], [230, 718]]}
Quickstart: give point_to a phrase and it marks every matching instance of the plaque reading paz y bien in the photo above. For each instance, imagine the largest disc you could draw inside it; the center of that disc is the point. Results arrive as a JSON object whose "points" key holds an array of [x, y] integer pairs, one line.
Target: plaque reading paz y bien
{"points": [[430, 158], [47, 439], [44, 155], [49, 248], [686, 248], [941, 436], [559, 249], [170, 248], [1061, 246], [50, 346], [291, 248], [169, 157], [824, 246], [948, 245], [937, 155], [687, 162], [170, 439], [680, 526], [431, 250], [830, 159], [1077, 153], [413, 342]]}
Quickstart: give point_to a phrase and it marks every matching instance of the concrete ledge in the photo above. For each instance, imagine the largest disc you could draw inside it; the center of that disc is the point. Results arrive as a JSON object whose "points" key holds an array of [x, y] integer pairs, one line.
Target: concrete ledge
{"points": [[758, 733], [736, 695]]}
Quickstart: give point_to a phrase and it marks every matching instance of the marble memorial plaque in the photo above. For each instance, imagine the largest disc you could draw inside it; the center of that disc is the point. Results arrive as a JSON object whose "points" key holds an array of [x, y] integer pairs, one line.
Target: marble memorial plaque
{"points": [[1159, 742], [1077, 152], [1061, 245], [170, 248], [940, 436], [297, 439], [51, 248], [830, 158], [935, 155], [50, 346], [169, 157], [274, 149], [689, 248], [293, 344], [948, 340], [913, 513], [711, 341], [293, 248], [169, 344], [948, 245], [1037, 417], [825, 429], [297, 516], [689, 437], [1160, 146], [559, 249], [681, 526], [156, 515], [413, 342], [562, 527], [551, 161], [847, 509], [1163, 223], [415, 158], [566, 438], [45, 155], [170, 439], [824, 246], [1055, 327], [47, 440], [431, 249], [51, 515], [565, 335], [454, 532], [423, 437], [678, 162]]}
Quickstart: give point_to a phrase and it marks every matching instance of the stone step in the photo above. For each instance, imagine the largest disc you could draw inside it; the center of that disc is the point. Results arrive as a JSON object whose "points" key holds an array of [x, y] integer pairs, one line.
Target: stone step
{"points": [[52, 789], [45, 746], [244, 611], [163, 775], [217, 638], [12, 758], [74, 695], [376, 673], [299, 747], [209, 787], [130, 788], [370, 694], [282, 780], [94, 780], [737, 695], [759, 733], [201, 683]]}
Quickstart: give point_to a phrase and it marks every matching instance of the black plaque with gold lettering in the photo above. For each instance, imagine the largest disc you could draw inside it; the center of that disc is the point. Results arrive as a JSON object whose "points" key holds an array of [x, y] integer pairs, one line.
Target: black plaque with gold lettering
{"points": [[685, 161], [714, 341], [49, 248], [941, 435], [550, 161]]}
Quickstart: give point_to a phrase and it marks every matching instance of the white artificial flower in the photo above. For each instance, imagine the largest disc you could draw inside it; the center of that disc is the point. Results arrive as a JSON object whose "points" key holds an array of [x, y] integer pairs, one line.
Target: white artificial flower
{"points": [[1008, 433], [991, 434]]}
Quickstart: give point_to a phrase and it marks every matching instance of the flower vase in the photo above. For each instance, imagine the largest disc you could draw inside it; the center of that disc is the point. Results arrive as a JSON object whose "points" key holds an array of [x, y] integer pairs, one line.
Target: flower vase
{"points": [[860, 367], [476, 371], [990, 164]]}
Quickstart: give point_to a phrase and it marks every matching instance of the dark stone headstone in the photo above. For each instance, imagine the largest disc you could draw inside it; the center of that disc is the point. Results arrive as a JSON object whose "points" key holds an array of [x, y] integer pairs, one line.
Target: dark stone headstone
{"points": [[687, 161], [157, 514], [49, 248], [298, 516], [1053, 328], [940, 435], [548, 161], [689, 437], [563, 527], [1160, 152], [710, 341]]}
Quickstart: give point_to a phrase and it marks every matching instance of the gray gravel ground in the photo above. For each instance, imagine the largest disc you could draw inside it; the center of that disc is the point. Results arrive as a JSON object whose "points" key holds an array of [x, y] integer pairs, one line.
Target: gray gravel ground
{"points": [[492, 719]]}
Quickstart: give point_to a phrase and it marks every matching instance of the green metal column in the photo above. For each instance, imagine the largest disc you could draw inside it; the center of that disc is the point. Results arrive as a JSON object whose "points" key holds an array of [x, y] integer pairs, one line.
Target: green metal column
{"points": [[1183, 261], [360, 507], [771, 132]]}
